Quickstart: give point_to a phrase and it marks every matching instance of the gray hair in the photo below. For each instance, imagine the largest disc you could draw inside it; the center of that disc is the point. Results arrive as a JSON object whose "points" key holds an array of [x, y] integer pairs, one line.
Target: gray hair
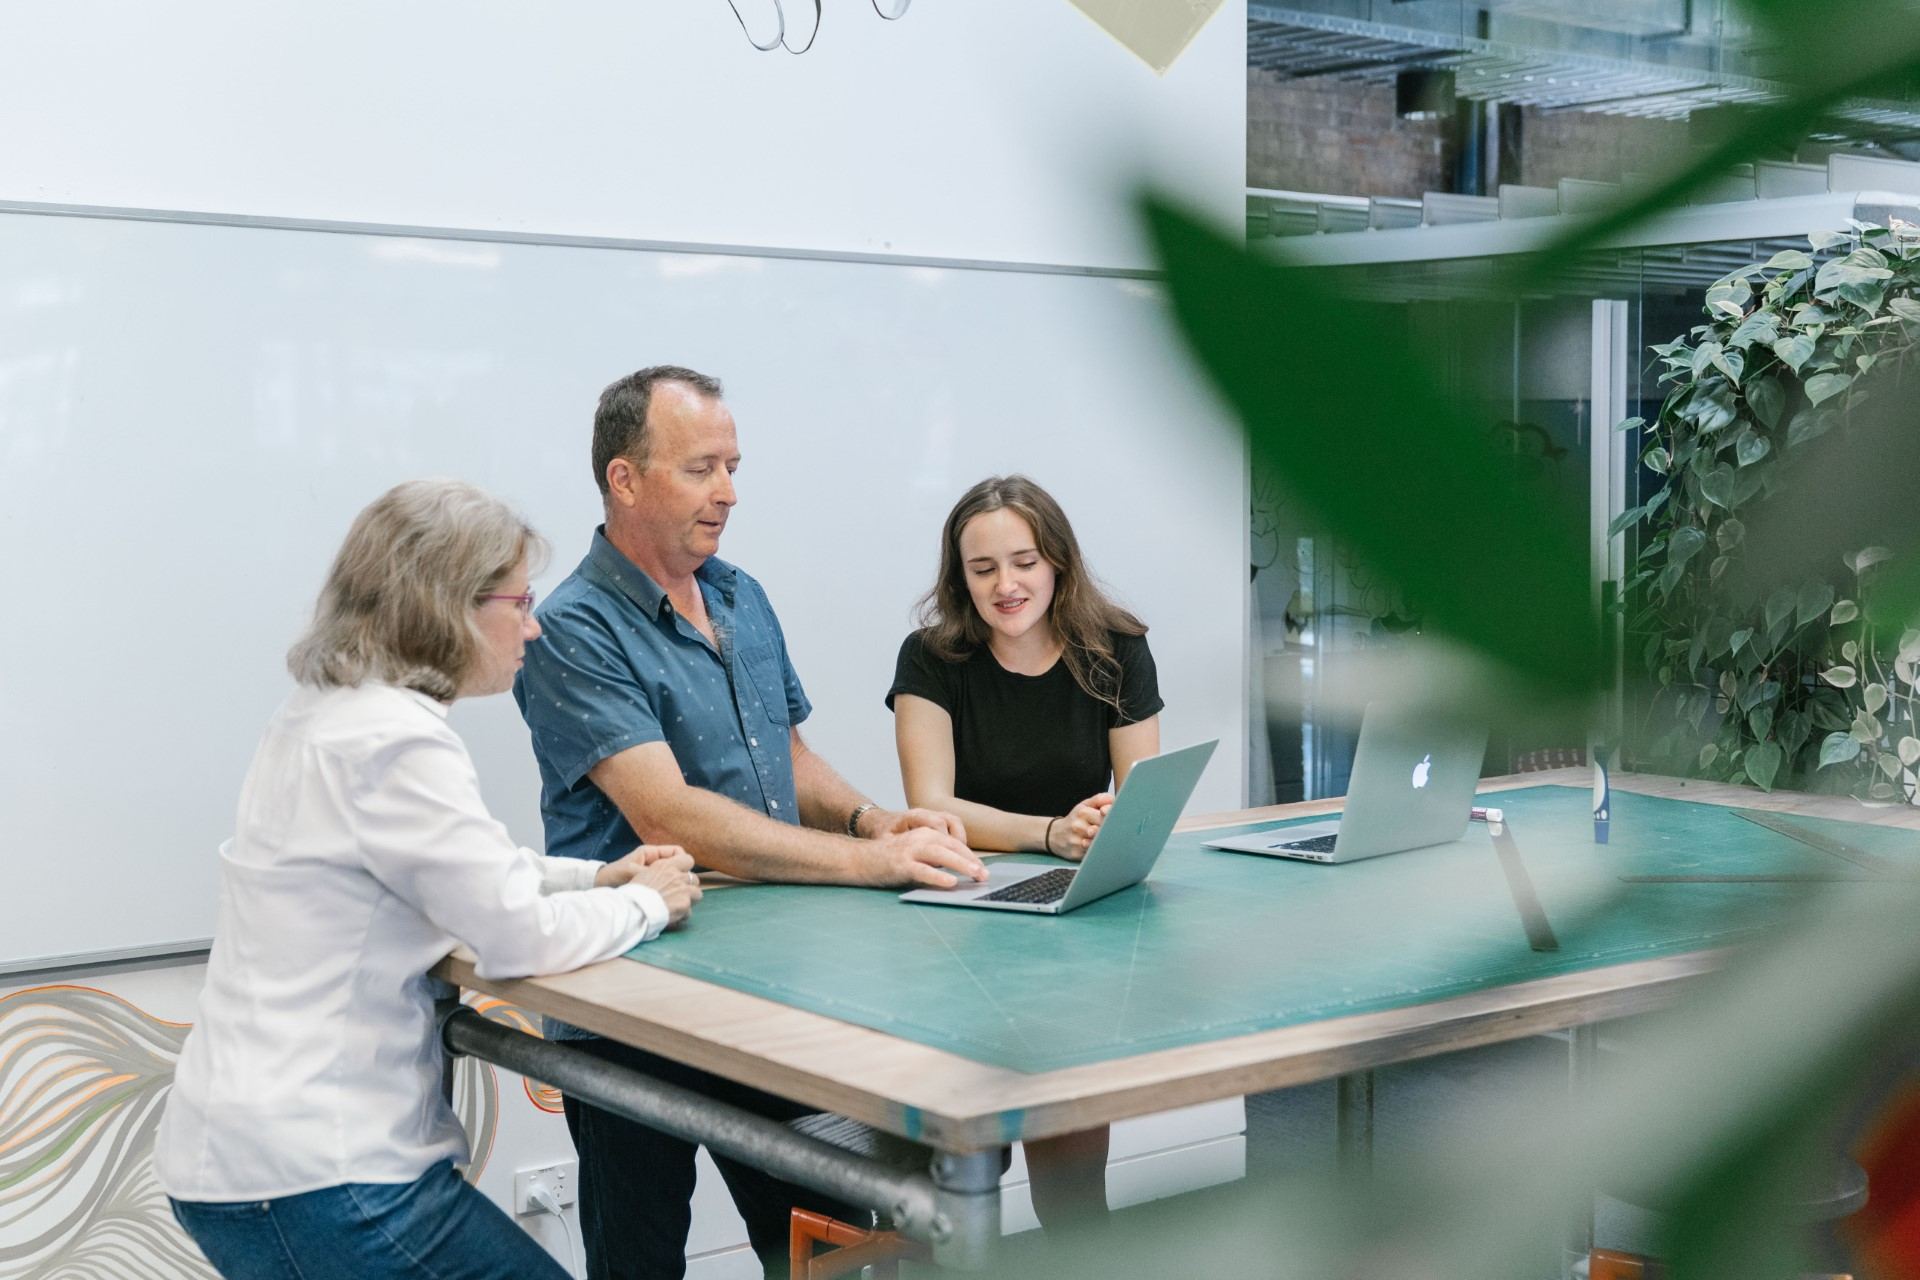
{"points": [[398, 604], [620, 421]]}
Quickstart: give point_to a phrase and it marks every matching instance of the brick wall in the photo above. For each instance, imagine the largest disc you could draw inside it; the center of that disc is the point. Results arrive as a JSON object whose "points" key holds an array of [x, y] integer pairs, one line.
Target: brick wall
{"points": [[1343, 138], [1585, 144], [1340, 138]]}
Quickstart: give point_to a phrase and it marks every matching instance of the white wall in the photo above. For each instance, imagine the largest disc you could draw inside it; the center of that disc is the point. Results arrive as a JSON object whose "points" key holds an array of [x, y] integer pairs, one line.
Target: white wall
{"points": [[990, 129]]}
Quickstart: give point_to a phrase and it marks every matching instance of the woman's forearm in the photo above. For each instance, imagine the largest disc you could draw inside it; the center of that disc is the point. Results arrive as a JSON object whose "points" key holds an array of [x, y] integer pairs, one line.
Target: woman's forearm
{"points": [[990, 829]]}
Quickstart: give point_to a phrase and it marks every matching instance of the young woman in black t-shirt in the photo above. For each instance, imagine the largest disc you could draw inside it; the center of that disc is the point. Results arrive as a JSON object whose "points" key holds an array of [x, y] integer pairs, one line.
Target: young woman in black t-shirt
{"points": [[1022, 701]]}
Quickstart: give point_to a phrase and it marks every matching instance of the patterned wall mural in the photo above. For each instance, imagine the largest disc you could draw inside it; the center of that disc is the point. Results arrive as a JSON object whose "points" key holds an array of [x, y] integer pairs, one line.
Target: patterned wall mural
{"points": [[83, 1077]]}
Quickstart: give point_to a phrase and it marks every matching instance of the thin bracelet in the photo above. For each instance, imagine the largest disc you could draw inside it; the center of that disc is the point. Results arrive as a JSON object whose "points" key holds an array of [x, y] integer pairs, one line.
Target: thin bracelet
{"points": [[853, 819], [1048, 845]]}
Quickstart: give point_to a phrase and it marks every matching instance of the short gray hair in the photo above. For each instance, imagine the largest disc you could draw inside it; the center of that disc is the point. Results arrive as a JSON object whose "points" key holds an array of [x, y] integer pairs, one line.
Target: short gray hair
{"points": [[620, 421], [398, 603]]}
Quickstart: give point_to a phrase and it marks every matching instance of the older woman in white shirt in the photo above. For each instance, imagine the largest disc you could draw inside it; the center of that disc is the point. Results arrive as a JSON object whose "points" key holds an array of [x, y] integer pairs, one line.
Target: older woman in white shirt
{"points": [[306, 1135]]}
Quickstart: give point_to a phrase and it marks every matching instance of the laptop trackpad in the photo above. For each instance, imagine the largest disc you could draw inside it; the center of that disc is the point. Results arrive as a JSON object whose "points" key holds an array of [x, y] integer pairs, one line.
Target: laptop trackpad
{"points": [[1000, 874]]}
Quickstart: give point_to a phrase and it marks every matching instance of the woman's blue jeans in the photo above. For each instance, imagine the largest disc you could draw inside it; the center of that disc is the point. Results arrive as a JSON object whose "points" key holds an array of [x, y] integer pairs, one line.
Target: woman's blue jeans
{"points": [[438, 1228]]}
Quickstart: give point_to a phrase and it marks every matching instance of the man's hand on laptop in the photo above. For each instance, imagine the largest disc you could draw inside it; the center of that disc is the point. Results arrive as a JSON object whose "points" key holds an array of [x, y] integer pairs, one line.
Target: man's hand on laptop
{"points": [[892, 822], [1072, 834], [919, 857]]}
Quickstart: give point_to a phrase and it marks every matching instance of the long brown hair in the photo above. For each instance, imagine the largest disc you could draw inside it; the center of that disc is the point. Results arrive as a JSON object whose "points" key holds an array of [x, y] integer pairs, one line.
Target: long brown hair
{"points": [[1081, 613]]}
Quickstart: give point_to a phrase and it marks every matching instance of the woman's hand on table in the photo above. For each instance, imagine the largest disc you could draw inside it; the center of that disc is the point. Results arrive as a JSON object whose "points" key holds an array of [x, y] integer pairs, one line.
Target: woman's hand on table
{"points": [[667, 869]]}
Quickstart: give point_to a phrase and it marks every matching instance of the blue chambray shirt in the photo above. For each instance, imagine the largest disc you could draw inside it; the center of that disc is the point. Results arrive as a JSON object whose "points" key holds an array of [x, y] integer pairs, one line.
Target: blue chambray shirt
{"points": [[617, 666]]}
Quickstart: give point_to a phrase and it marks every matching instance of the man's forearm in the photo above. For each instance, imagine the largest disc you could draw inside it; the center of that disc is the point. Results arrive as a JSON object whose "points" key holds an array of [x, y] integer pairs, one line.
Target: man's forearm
{"points": [[825, 797], [732, 838]]}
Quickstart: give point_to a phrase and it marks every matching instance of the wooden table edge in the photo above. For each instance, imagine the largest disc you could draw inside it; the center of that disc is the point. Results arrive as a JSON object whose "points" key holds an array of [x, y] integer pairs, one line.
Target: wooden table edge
{"points": [[956, 1103]]}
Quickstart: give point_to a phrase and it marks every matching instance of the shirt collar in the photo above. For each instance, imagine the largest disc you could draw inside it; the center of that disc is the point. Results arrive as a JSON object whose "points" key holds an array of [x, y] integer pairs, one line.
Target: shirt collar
{"points": [[607, 565], [432, 704]]}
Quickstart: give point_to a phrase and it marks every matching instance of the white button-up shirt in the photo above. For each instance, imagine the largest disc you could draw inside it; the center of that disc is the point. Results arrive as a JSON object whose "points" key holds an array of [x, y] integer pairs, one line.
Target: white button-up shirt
{"points": [[362, 853]]}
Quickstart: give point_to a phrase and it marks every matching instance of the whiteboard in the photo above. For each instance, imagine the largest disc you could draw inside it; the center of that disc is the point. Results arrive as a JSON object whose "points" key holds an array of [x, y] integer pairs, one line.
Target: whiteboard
{"points": [[191, 414]]}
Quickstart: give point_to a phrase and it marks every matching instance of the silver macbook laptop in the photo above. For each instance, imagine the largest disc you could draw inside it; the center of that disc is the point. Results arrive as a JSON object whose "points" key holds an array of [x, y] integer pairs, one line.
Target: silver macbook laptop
{"points": [[1124, 851], [1412, 786]]}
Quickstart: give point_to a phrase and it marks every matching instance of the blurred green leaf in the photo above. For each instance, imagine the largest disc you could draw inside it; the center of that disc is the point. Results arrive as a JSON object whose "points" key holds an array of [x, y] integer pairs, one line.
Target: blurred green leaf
{"points": [[1814, 599], [1750, 446], [1825, 386], [1779, 607], [1763, 762], [1717, 486], [1838, 748], [1852, 269], [1794, 351], [1865, 558], [1767, 400], [1761, 326], [1704, 357], [1685, 544], [1363, 438], [1808, 424]]}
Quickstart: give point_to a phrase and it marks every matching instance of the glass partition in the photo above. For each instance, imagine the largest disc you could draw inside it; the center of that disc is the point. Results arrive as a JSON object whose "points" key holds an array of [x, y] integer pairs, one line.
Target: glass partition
{"points": [[1526, 367]]}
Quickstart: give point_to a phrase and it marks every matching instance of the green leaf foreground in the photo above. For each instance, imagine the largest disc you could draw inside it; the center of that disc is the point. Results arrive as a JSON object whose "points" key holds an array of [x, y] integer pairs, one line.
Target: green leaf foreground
{"points": [[1362, 437]]}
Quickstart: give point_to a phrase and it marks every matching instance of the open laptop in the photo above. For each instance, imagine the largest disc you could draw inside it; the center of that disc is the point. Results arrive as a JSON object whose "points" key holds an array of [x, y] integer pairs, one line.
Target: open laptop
{"points": [[1412, 786], [1122, 852]]}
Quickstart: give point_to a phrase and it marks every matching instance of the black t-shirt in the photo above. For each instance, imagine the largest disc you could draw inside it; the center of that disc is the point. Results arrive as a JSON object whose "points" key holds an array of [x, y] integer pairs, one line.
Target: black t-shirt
{"points": [[1028, 744]]}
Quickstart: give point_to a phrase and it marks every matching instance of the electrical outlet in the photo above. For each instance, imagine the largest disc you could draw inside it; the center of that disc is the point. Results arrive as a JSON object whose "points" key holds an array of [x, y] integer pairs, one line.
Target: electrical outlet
{"points": [[559, 1178]]}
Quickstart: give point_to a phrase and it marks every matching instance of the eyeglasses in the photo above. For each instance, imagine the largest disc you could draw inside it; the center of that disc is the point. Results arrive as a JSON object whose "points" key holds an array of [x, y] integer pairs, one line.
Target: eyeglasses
{"points": [[524, 602]]}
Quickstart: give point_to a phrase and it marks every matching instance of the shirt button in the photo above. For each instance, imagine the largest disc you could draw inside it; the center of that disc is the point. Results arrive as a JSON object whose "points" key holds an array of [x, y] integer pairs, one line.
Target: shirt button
{"points": [[753, 742], [774, 803]]}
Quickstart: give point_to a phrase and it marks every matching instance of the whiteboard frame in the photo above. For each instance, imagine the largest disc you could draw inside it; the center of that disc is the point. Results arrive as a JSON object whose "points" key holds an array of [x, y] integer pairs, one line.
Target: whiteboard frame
{"points": [[551, 239]]}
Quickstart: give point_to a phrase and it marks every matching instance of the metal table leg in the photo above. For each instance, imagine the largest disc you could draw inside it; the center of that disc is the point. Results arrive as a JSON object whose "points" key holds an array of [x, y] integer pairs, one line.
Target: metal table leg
{"points": [[446, 1002], [955, 1206], [1353, 1125], [1583, 1055], [966, 1210]]}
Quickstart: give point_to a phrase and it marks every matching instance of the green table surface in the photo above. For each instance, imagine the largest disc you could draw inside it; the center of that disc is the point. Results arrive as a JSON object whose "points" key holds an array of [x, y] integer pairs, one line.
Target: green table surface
{"points": [[1219, 944]]}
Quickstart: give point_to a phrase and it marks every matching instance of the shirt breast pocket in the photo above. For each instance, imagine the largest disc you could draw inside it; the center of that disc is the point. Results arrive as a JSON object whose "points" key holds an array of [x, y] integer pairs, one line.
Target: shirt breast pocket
{"points": [[764, 670]]}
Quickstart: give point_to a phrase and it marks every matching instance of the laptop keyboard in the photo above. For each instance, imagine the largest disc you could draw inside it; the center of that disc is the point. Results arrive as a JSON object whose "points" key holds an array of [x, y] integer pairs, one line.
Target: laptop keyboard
{"points": [[1319, 844], [1048, 886]]}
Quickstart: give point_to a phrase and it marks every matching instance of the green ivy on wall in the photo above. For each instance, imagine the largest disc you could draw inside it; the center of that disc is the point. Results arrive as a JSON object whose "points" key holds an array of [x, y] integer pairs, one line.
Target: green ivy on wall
{"points": [[1800, 683]]}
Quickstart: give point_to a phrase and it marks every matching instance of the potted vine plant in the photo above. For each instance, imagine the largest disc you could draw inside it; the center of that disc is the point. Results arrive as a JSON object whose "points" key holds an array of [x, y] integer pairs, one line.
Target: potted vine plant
{"points": [[1801, 685]]}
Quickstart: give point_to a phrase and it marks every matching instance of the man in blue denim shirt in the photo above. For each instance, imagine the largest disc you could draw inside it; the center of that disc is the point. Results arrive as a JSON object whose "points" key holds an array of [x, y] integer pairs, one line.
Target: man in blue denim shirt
{"points": [[664, 710]]}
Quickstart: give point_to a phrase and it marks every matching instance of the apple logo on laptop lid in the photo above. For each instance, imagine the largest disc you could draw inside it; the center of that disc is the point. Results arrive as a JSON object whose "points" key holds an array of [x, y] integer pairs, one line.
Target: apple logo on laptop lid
{"points": [[1422, 770]]}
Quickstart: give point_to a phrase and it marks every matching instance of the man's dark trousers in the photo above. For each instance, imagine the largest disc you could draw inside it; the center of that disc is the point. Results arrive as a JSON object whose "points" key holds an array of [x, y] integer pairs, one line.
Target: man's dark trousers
{"points": [[636, 1182]]}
